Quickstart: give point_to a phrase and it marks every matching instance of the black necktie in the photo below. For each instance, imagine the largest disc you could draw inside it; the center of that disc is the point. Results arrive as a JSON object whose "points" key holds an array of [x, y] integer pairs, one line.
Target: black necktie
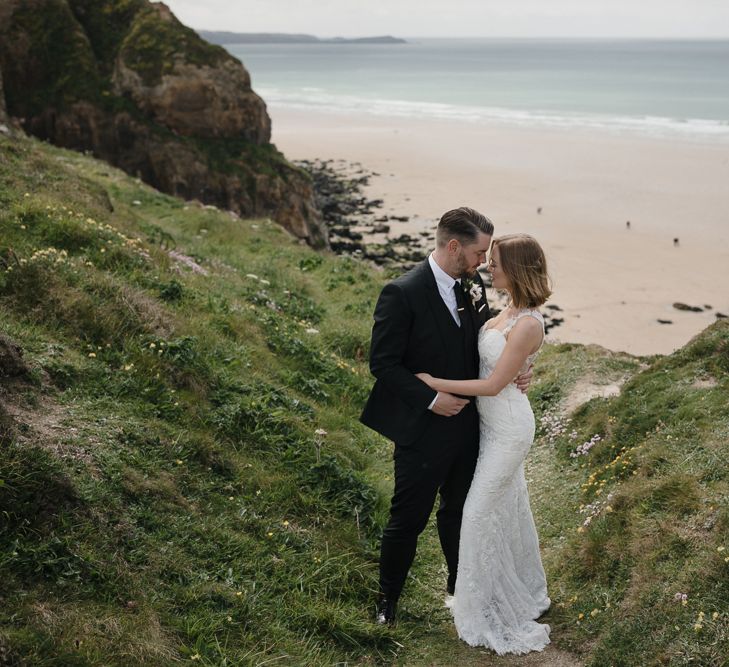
{"points": [[460, 302]]}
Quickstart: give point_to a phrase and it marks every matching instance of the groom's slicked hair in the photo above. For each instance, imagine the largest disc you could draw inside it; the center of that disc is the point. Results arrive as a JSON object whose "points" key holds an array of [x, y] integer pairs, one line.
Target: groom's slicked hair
{"points": [[463, 224]]}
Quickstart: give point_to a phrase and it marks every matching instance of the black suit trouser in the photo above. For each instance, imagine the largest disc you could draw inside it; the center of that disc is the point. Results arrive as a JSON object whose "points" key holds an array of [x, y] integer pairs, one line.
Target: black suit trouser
{"points": [[442, 460]]}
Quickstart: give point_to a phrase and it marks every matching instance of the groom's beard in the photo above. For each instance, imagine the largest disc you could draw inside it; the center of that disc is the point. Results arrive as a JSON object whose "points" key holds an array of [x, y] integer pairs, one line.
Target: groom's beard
{"points": [[464, 269]]}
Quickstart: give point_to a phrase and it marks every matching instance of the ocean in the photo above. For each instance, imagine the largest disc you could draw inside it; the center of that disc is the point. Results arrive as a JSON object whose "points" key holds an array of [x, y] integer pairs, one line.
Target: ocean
{"points": [[648, 87]]}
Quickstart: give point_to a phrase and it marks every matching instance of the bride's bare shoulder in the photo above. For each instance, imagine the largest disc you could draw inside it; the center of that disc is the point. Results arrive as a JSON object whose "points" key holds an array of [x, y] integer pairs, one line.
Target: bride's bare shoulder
{"points": [[528, 329]]}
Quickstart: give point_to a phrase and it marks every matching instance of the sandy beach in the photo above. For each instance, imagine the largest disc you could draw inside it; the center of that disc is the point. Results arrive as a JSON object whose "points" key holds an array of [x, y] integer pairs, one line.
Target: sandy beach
{"points": [[613, 282]]}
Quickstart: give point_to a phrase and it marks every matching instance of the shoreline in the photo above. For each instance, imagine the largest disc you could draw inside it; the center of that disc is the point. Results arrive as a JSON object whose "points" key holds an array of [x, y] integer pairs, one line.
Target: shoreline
{"points": [[612, 283]]}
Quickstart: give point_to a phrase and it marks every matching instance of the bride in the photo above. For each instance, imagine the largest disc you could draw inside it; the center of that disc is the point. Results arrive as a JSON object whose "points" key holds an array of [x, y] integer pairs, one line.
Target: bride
{"points": [[501, 589]]}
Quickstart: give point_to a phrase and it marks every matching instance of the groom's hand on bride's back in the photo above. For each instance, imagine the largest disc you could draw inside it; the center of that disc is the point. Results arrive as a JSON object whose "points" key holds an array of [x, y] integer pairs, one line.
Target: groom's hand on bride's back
{"points": [[448, 405], [525, 379]]}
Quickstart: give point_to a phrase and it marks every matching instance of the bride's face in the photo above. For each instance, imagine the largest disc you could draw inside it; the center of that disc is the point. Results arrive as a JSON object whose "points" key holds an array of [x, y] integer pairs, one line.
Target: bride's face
{"points": [[498, 277]]}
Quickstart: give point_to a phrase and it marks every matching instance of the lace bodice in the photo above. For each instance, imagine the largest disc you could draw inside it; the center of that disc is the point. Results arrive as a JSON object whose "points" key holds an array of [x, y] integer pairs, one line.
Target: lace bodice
{"points": [[492, 341]]}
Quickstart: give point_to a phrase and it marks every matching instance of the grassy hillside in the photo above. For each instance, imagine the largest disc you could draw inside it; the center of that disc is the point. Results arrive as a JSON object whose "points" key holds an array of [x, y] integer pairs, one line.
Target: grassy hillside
{"points": [[183, 477]]}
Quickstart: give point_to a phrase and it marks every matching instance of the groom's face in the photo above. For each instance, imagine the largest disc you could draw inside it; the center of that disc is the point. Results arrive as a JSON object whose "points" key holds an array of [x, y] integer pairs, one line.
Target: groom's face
{"points": [[471, 256]]}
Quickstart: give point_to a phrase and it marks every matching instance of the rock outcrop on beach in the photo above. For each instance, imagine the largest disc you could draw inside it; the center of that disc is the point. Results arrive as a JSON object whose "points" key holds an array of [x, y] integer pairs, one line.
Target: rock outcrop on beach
{"points": [[128, 82]]}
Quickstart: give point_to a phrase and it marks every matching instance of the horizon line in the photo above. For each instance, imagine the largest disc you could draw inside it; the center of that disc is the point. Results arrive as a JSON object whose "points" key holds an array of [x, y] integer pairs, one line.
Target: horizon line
{"points": [[696, 38]]}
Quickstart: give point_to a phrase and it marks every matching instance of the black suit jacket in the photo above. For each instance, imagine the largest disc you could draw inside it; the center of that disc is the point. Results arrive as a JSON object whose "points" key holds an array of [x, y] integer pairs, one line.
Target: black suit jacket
{"points": [[413, 332]]}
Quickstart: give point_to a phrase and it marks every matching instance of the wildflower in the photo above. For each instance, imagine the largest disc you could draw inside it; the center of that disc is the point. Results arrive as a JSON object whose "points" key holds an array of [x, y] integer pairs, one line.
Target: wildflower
{"points": [[320, 432], [22, 227], [258, 493], [195, 657], [594, 612], [285, 523], [269, 534], [698, 626], [239, 594], [128, 367], [152, 346], [580, 616], [92, 355], [229, 619], [720, 549], [715, 615], [231, 498], [179, 462]]}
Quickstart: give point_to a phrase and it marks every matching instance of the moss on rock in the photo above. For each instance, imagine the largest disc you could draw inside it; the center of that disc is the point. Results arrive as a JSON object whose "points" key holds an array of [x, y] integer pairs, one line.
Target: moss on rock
{"points": [[154, 44]]}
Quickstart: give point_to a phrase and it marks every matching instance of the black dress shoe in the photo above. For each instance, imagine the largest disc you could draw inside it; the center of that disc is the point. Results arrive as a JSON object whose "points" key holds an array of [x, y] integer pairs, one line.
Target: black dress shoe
{"points": [[386, 608]]}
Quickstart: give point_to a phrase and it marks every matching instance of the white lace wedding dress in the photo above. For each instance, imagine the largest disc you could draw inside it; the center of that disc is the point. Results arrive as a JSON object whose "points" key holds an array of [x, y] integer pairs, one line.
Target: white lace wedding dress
{"points": [[501, 588]]}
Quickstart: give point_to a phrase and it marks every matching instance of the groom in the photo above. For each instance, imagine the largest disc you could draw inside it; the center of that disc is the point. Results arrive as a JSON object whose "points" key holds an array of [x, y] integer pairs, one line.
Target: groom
{"points": [[427, 321]]}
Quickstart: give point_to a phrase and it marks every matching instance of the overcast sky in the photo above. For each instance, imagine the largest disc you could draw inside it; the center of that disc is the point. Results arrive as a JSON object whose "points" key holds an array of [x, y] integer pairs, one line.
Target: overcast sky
{"points": [[462, 18]]}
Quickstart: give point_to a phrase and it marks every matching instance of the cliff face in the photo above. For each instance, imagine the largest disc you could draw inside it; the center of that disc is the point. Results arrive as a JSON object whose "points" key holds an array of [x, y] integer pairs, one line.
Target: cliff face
{"points": [[127, 81], [3, 112]]}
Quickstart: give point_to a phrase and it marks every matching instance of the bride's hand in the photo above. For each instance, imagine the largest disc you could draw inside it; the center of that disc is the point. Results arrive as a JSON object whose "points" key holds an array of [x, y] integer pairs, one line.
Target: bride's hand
{"points": [[425, 377]]}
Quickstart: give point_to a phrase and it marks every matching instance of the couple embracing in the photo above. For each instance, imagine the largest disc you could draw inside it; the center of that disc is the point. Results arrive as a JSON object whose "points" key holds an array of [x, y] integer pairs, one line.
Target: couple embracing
{"points": [[449, 393]]}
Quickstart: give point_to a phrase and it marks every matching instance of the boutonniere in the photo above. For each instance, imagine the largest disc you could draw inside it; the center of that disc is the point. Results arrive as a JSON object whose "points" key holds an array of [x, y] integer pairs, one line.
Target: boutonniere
{"points": [[475, 291]]}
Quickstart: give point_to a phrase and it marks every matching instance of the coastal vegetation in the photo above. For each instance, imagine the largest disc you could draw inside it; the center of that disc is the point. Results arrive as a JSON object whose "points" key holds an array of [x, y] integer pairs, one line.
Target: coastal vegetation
{"points": [[183, 477]]}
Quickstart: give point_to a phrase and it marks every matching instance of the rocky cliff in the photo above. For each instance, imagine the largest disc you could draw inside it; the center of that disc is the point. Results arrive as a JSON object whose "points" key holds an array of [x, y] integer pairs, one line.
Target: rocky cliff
{"points": [[3, 113], [127, 81]]}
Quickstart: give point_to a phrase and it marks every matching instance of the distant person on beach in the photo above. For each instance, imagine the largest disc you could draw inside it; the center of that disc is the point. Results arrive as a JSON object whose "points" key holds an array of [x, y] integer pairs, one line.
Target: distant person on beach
{"points": [[430, 320]]}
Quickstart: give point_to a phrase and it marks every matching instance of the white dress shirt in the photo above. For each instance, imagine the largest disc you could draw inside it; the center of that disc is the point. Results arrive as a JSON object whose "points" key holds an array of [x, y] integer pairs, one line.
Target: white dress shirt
{"points": [[445, 288]]}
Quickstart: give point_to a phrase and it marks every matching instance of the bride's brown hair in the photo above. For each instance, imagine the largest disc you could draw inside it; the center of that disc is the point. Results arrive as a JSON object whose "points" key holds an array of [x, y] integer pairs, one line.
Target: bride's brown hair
{"points": [[523, 262]]}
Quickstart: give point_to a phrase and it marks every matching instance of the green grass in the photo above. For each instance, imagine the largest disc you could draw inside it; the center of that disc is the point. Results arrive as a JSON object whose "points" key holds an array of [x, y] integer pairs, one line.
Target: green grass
{"points": [[166, 498], [174, 499]]}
